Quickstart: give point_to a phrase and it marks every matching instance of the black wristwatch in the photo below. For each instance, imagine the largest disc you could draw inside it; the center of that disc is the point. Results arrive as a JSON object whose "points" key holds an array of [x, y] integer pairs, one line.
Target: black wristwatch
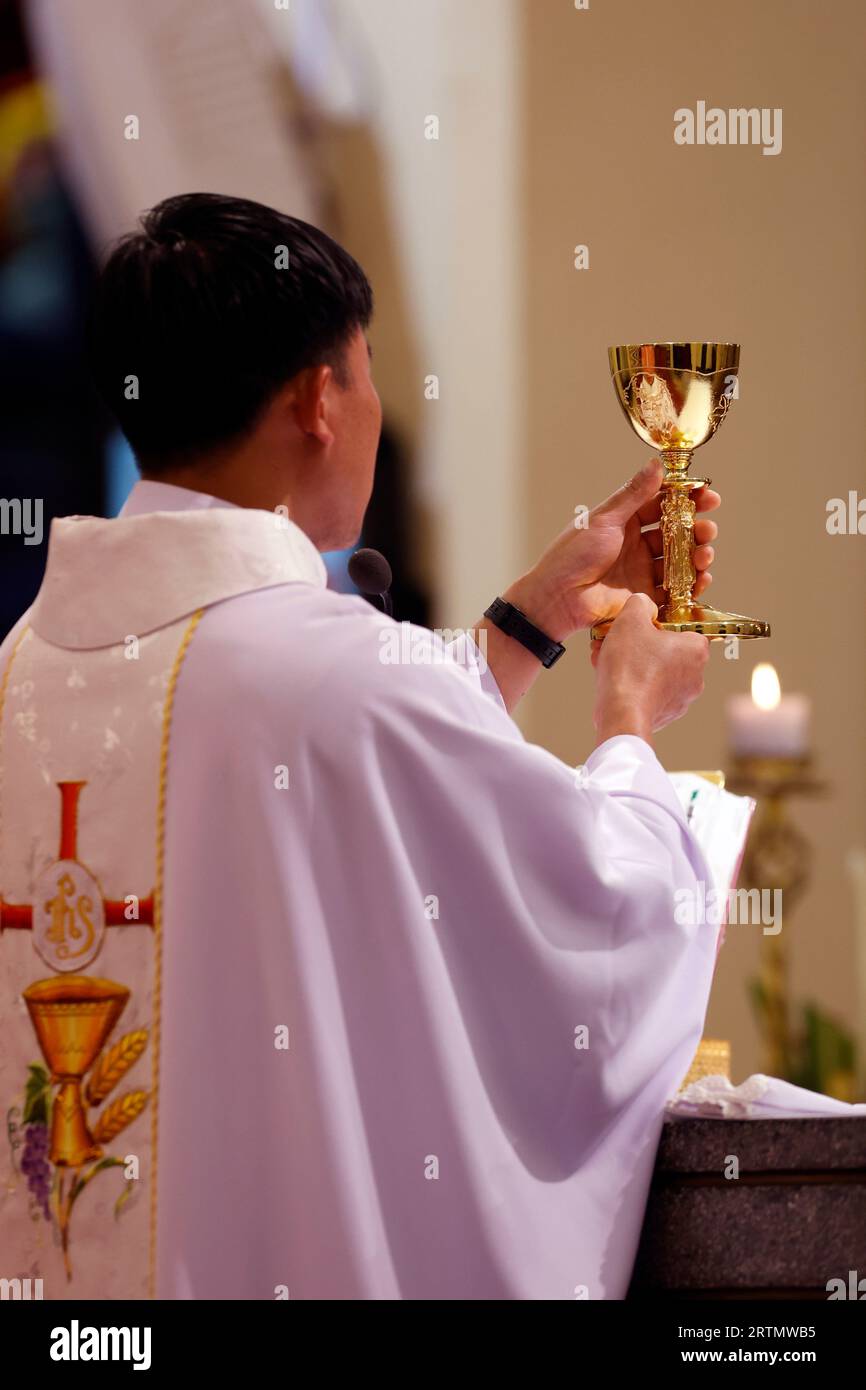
{"points": [[515, 624]]}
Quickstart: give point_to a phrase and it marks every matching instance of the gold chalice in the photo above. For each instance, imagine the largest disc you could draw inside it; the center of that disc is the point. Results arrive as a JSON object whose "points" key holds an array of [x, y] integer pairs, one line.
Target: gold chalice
{"points": [[675, 396], [72, 1016]]}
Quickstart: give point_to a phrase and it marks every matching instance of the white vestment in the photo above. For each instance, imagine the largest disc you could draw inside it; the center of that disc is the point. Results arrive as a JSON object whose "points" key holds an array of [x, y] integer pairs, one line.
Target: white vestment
{"points": [[413, 995]]}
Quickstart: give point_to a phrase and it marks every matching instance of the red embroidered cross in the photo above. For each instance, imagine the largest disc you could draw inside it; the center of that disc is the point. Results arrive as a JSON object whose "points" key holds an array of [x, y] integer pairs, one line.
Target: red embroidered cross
{"points": [[20, 915]]}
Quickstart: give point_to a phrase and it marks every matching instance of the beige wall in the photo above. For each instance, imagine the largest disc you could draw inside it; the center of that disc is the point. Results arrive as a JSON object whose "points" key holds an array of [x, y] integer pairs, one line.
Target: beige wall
{"points": [[729, 244]]}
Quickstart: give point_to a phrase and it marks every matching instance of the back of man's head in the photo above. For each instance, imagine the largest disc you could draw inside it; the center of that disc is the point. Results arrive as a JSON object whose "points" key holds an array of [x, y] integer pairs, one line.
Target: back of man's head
{"points": [[200, 317]]}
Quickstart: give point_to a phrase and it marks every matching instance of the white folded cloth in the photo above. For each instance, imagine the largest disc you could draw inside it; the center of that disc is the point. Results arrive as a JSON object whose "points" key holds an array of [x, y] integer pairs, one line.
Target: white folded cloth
{"points": [[758, 1098]]}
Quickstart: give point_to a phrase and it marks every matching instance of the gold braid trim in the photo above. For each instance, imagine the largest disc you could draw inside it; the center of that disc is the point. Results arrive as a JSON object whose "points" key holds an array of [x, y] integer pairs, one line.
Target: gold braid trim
{"points": [[156, 1029], [3, 684]]}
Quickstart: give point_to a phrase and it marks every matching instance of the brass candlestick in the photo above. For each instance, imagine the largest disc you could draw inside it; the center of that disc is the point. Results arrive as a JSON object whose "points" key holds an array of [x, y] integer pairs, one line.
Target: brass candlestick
{"points": [[675, 396], [777, 856]]}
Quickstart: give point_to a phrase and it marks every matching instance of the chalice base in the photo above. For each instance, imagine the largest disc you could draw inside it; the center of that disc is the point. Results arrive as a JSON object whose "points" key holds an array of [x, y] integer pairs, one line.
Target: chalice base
{"points": [[697, 617], [712, 622]]}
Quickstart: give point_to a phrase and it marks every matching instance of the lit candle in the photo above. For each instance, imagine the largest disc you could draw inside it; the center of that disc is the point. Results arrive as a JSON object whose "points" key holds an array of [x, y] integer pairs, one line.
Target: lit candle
{"points": [[768, 724]]}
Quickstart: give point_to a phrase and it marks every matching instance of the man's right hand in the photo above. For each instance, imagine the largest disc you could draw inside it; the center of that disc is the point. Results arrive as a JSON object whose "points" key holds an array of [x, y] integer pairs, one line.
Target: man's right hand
{"points": [[645, 677]]}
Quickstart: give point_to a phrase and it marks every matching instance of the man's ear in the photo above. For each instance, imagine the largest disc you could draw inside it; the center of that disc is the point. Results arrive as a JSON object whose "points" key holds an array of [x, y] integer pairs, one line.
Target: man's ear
{"points": [[307, 397]]}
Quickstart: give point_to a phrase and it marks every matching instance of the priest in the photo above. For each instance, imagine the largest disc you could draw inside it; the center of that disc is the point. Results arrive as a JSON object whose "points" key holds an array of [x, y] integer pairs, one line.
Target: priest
{"points": [[319, 981]]}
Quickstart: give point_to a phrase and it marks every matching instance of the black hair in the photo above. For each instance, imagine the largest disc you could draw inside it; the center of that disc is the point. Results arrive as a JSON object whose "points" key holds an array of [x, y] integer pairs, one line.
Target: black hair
{"points": [[200, 317]]}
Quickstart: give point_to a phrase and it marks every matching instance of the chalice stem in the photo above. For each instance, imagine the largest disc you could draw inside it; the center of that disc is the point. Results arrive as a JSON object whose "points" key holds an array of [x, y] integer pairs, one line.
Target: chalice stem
{"points": [[64, 1211], [777, 1050], [678, 534]]}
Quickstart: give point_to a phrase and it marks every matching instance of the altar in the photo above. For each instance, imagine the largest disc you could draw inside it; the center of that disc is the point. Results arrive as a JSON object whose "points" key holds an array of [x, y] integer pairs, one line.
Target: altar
{"points": [[791, 1225]]}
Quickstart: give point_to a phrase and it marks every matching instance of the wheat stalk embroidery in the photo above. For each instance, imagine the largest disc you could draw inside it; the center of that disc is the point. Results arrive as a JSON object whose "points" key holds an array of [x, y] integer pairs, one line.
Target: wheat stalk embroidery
{"points": [[108, 1069], [113, 1064], [118, 1115]]}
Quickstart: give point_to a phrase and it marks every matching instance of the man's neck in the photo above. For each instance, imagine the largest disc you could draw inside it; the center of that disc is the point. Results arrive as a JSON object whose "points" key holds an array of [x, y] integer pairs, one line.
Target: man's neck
{"points": [[228, 487]]}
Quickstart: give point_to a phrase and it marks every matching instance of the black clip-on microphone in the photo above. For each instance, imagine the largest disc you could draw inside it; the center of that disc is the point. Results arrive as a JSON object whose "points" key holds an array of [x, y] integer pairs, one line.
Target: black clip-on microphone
{"points": [[370, 572]]}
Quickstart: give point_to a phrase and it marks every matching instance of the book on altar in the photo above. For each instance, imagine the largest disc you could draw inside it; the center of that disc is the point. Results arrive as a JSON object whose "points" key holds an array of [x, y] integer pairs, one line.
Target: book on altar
{"points": [[719, 821]]}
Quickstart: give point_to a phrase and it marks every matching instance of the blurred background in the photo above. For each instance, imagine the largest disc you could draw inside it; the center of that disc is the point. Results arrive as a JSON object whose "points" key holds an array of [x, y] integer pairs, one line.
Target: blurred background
{"points": [[463, 153]]}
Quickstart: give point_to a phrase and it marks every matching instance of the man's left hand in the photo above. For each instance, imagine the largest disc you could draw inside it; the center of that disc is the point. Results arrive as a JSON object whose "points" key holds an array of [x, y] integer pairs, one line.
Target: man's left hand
{"points": [[589, 572]]}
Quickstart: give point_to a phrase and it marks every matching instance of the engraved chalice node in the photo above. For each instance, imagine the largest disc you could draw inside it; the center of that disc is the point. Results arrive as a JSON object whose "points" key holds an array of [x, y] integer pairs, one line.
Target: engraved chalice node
{"points": [[72, 1016], [675, 396]]}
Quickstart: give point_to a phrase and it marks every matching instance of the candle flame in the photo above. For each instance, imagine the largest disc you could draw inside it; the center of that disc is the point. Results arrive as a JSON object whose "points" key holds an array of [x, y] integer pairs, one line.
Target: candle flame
{"points": [[766, 690]]}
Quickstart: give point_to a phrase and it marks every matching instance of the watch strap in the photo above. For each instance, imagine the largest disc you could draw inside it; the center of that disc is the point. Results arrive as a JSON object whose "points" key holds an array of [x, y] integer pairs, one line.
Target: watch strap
{"points": [[513, 623]]}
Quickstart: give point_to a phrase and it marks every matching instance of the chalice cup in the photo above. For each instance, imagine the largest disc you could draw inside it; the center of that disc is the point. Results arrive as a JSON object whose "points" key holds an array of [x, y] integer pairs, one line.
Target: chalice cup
{"points": [[675, 396]]}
